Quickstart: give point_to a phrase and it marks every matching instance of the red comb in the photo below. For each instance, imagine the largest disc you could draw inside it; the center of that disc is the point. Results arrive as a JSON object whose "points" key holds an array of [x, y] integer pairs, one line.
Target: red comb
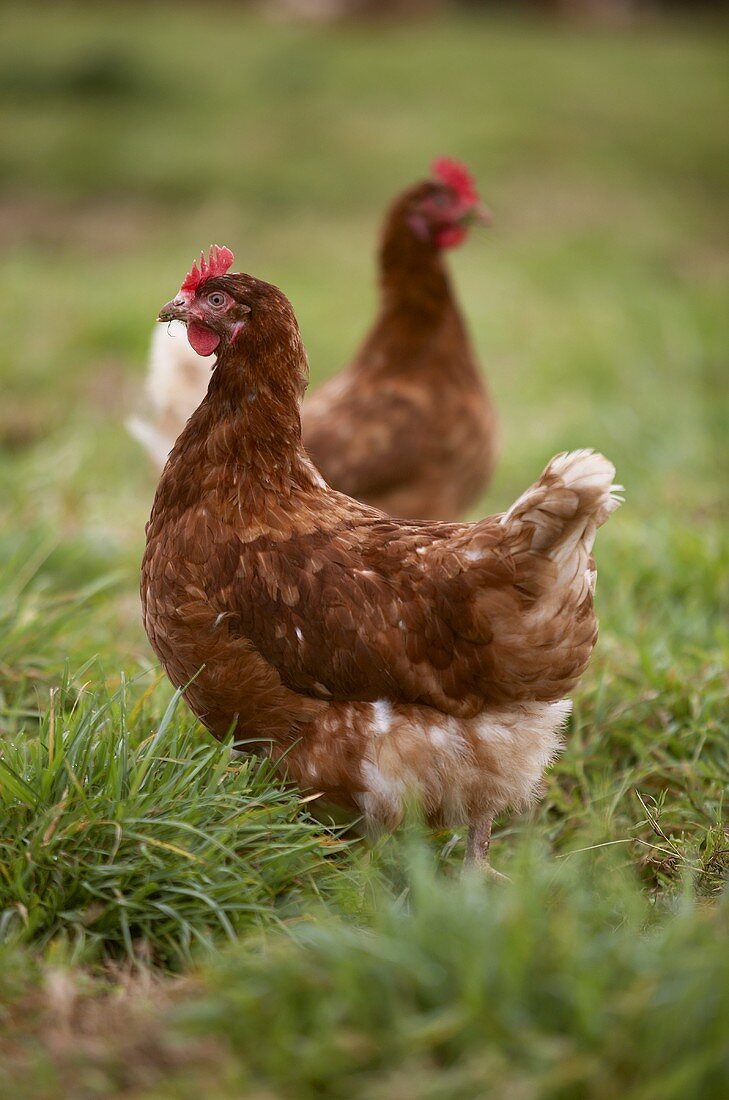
{"points": [[457, 176], [217, 263]]}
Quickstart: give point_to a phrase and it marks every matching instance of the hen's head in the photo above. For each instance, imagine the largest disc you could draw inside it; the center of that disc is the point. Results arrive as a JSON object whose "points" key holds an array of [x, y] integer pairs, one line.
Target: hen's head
{"points": [[222, 309], [443, 208]]}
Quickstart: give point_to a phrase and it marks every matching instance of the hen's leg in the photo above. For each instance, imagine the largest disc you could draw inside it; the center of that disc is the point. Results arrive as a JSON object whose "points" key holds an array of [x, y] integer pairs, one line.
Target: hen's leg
{"points": [[479, 839], [477, 846]]}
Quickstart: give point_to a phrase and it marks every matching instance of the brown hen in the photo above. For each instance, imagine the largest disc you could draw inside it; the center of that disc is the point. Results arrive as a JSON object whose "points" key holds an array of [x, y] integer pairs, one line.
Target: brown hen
{"points": [[375, 660], [409, 426]]}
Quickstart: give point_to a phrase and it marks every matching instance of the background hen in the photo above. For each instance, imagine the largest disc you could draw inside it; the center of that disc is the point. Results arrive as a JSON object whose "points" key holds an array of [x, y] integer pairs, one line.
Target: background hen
{"points": [[409, 426]]}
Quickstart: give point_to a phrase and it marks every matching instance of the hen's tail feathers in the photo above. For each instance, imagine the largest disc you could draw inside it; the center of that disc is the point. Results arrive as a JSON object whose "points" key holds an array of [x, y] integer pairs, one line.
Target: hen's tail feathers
{"points": [[176, 382], [574, 496], [153, 441]]}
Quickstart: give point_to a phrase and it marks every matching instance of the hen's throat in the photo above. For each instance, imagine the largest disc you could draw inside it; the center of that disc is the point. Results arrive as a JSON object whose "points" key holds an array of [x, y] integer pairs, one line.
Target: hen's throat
{"points": [[412, 273], [247, 428]]}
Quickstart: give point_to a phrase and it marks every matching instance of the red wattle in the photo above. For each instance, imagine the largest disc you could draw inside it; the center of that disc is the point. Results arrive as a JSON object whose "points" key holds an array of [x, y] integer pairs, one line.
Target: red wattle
{"points": [[202, 339], [450, 236]]}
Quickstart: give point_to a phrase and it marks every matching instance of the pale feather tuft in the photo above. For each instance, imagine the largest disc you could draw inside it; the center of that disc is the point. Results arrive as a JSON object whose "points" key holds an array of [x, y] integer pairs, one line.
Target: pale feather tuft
{"points": [[153, 441], [574, 496], [177, 381]]}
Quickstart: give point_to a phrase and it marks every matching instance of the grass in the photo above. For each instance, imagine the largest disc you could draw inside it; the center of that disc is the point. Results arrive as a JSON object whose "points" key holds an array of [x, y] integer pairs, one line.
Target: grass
{"points": [[571, 985], [172, 920], [128, 839], [469, 992]]}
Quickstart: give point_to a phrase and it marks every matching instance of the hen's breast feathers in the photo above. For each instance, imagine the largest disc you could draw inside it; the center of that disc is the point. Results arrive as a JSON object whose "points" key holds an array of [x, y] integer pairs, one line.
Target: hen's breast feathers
{"points": [[457, 617]]}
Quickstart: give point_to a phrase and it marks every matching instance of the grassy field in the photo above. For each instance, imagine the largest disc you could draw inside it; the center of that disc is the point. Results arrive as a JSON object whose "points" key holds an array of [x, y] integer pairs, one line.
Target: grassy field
{"points": [[172, 921]]}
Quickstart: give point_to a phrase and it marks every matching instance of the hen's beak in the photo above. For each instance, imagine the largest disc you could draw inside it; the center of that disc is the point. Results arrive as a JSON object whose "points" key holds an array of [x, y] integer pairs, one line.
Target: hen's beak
{"points": [[479, 215], [176, 310]]}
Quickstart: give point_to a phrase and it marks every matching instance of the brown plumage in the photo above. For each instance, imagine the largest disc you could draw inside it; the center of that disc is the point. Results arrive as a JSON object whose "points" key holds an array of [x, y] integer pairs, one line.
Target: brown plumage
{"points": [[408, 426], [373, 658]]}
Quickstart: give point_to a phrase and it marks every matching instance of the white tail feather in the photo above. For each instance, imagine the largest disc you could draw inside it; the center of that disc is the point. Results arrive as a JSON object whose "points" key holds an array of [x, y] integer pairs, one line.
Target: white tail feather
{"points": [[574, 496]]}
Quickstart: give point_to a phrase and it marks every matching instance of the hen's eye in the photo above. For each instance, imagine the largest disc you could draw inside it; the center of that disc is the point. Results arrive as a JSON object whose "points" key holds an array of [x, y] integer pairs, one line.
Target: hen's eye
{"points": [[216, 299], [440, 199]]}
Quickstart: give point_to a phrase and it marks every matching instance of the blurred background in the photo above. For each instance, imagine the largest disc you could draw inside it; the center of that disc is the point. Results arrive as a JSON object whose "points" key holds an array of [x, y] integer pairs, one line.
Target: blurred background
{"points": [[133, 135]]}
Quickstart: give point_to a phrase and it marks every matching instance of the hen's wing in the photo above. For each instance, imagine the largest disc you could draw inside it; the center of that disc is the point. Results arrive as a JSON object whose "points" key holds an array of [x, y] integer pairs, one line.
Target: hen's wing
{"points": [[453, 616]]}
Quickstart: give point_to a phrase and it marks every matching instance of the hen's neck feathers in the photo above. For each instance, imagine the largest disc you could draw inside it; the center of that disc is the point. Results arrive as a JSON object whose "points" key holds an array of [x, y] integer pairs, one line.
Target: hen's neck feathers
{"points": [[248, 427], [417, 308], [261, 390], [413, 277]]}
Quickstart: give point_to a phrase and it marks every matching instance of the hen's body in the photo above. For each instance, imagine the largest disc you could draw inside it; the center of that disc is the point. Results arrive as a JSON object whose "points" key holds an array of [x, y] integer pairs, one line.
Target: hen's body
{"points": [[378, 658], [408, 427]]}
